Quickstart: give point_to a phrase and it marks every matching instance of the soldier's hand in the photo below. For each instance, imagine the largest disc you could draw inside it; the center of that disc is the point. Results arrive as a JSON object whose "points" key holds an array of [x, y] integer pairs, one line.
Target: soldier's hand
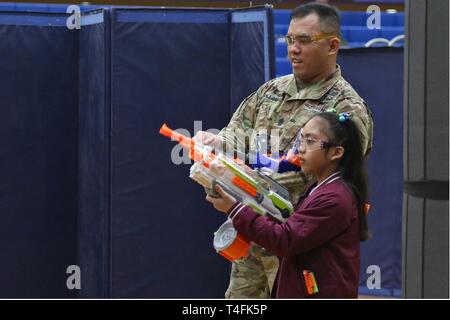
{"points": [[290, 155], [208, 139]]}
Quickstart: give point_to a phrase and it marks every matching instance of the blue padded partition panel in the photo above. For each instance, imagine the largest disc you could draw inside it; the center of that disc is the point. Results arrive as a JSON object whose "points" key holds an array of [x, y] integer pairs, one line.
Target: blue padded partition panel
{"points": [[171, 66], [252, 52], [87, 180], [39, 156], [377, 75], [167, 66], [42, 7], [94, 154]]}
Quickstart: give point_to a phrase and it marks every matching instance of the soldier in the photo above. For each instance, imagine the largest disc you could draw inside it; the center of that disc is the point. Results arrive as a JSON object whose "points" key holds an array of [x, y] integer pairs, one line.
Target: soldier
{"points": [[281, 107]]}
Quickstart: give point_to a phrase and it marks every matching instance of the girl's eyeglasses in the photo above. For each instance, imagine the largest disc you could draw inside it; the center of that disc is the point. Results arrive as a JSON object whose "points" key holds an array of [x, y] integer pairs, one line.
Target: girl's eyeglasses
{"points": [[310, 144]]}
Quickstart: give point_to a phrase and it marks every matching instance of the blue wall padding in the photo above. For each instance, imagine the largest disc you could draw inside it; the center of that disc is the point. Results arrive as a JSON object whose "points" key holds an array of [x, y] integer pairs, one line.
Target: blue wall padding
{"points": [[87, 179], [94, 159], [377, 75], [39, 156], [169, 66], [251, 30], [174, 72]]}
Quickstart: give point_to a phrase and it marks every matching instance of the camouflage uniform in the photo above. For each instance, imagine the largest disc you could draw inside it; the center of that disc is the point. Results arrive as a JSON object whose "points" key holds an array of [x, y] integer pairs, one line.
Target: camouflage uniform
{"points": [[279, 105]]}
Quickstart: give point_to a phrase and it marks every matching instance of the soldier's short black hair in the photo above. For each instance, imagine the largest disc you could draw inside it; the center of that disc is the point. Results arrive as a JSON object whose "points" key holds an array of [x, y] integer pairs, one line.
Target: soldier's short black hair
{"points": [[328, 15]]}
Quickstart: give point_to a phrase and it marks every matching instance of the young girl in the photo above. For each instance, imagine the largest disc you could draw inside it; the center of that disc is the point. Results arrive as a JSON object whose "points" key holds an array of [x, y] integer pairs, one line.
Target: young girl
{"points": [[322, 236]]}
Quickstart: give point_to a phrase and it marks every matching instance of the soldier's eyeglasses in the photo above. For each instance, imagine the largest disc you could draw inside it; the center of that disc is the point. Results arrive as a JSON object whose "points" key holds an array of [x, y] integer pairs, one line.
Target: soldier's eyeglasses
{"points": [[304, 40]]}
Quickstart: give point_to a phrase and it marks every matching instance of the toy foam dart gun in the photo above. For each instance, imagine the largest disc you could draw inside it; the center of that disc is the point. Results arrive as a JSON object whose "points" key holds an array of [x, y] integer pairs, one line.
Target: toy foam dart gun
{"points": [[275, 162], [251, 187]]}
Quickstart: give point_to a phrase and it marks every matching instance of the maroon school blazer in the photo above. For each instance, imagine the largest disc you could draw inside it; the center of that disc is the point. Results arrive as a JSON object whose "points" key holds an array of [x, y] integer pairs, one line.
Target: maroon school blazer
{"points": [[322, 236]]}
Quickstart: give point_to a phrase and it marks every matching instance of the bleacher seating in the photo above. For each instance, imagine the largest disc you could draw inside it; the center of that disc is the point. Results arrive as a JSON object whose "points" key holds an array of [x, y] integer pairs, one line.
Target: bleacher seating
{"points": [[282, 16], [351, 18], [354, 32]]}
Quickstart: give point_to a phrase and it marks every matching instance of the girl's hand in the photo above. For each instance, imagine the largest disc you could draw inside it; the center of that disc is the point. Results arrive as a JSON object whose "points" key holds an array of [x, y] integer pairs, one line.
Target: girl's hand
{"points": [[224, 203]]}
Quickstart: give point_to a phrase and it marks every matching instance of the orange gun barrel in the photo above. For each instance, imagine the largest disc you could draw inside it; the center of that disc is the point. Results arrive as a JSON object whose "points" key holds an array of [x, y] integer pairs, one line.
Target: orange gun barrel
{"points": [[183, 140], [187, 143], [292, 160]]}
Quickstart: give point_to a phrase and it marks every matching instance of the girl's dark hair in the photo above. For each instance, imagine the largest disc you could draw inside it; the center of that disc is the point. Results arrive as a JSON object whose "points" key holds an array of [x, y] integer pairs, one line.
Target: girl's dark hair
{"points": [[352, 164]]}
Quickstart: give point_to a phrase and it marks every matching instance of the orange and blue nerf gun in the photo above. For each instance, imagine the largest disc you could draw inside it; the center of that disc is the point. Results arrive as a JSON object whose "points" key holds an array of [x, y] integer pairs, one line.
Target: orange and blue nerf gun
{"points": [[275, 163], [256, 160], [251, 187]]}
